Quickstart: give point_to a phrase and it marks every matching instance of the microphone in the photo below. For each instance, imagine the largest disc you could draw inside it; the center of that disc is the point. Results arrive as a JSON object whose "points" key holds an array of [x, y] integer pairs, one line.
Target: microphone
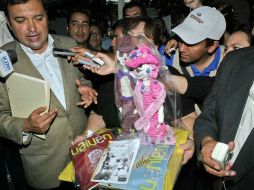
{"points": [[64, 53], [7, 58]]}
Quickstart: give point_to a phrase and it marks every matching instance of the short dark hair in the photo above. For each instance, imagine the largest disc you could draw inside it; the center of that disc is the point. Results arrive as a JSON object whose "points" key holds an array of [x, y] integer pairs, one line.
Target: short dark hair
{"points": [[9, 3], [15, 2], [132, 4], [78, 10]]}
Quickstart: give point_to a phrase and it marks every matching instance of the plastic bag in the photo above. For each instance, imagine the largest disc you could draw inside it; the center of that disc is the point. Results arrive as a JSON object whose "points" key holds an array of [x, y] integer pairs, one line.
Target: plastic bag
{"points": [[141, 97]]}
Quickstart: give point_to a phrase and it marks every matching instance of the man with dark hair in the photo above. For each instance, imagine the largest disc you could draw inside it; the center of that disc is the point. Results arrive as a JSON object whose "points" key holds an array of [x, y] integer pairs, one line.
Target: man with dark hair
{"points": [[43, 159], [78, 26], [134, 9], [199, 53]]}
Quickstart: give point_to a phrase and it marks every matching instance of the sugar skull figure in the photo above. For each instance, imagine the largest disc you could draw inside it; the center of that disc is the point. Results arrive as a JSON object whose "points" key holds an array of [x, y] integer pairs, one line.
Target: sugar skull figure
{"points": [[149, 96]]}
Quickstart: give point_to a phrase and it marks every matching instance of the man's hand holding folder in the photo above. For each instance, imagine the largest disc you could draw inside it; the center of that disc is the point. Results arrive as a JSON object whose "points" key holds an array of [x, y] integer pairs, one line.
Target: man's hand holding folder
{"points": [[39, 121]]}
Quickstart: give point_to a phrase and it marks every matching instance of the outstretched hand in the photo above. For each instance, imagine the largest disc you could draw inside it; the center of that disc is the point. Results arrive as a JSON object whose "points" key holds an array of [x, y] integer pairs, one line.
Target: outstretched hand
{"points": [[88, 95], [108, 59], [79, 54], [109, 66]]}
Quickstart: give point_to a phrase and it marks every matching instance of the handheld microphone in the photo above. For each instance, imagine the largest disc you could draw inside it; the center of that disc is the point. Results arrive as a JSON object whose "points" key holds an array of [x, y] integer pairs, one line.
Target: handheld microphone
{"points": [[7, 58], [60, 52], [64, 53], [91, 64]]}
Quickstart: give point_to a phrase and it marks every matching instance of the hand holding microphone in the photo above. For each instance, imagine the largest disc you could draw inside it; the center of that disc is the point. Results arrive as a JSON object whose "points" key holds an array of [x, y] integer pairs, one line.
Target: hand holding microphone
{"points": [[104, 64], [83, 57]]}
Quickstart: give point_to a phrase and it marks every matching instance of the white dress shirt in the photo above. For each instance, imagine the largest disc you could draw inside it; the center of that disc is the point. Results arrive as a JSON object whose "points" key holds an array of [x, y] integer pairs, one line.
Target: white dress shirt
{"points": [[246, 125]]}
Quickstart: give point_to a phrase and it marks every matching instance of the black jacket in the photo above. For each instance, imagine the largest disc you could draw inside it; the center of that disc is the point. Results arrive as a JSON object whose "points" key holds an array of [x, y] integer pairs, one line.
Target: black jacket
{"points": [[223, 110]]}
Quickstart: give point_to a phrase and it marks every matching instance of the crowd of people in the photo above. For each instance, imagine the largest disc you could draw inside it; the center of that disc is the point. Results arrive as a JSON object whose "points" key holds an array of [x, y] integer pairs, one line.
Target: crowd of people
{"points": [[211, 70]]}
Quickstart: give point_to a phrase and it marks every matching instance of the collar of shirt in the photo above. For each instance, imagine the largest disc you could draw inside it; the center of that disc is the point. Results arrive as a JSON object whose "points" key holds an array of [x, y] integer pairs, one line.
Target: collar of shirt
{"points": [[46, 53], [211, 67], [49, 68]]}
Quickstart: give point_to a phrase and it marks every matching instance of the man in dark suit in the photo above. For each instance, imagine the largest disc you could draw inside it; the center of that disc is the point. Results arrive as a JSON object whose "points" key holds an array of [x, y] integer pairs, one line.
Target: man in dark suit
{"points": [[43, 159], [228, 117]]}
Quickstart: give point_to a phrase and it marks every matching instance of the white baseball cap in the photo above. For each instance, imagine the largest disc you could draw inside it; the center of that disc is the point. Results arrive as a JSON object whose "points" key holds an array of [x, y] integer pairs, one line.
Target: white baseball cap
{"points": [[203, 22]]}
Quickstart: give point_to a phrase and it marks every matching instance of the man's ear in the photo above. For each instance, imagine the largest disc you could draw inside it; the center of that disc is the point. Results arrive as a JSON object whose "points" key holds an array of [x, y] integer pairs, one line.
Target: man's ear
{"points": [[213, 47]]}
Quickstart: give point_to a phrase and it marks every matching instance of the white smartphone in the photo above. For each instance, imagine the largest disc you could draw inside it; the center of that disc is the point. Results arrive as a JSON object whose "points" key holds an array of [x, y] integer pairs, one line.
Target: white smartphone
{"points": [[95, 59], [220, 154], [82, 62]]}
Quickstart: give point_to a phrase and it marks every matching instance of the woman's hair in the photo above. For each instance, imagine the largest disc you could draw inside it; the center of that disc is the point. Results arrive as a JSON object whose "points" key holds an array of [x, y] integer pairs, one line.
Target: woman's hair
{"points": [[122, 23], [151, 29]]}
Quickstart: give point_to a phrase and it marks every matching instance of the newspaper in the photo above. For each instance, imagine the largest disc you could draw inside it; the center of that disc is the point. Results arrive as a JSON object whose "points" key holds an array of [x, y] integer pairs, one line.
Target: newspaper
{"points": [[149, 169], [117, 161]]}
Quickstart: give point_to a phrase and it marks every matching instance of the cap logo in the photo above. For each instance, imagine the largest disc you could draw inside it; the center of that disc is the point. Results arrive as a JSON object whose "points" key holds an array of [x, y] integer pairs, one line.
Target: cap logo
{"points": [[197, 18]]}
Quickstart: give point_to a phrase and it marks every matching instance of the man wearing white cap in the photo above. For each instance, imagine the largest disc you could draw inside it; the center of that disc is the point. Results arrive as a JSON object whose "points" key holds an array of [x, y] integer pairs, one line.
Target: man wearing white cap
{"points": [[199, 50]]}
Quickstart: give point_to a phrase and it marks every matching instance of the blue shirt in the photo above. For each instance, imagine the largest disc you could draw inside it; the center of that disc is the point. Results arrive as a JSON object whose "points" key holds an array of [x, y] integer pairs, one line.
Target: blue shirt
{"points": [[211, 67]]}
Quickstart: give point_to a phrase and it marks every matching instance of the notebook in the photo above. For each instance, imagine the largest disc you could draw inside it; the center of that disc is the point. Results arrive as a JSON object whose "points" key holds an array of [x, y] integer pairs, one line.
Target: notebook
{"points": [[26, 94]]}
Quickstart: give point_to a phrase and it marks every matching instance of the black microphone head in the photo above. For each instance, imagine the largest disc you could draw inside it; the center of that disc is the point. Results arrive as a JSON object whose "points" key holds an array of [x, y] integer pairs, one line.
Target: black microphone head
{"points": [[12, 55]]}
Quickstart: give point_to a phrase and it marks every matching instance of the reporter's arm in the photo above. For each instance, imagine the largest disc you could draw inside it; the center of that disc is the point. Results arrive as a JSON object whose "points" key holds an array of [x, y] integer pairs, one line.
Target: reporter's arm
{"points": [[198, 87], [180, 84], [109, 59], [95, 123]]}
